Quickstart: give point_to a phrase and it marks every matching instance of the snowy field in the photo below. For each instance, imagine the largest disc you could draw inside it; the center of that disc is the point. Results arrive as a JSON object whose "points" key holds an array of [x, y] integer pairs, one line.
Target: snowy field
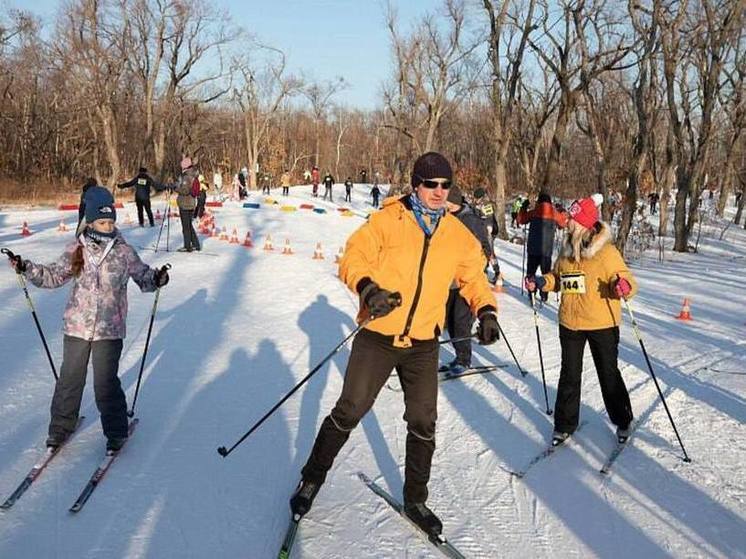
{"points": [[238, 327]]}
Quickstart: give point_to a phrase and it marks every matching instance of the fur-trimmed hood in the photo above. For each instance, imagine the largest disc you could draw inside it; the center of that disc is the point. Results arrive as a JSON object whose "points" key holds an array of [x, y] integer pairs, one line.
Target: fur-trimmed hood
{"points": [[588, 251]]}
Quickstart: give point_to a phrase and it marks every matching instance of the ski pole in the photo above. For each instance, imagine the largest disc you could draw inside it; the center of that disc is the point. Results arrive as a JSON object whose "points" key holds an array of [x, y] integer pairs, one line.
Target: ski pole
{"points": [[163, 220], [461, 339], [22, 283], [502, 333], [523, 258], [394, 299], [655, 379], [131, 412], [541, 358]]}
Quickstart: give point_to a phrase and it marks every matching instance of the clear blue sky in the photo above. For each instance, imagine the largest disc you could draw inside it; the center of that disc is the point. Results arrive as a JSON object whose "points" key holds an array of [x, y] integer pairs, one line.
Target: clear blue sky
{"points": [[322, 38]]}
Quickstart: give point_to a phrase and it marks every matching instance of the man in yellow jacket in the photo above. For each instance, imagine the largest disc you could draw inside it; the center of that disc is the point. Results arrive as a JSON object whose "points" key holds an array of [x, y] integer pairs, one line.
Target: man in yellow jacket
{"points": [[413, 248], [593, 278]]}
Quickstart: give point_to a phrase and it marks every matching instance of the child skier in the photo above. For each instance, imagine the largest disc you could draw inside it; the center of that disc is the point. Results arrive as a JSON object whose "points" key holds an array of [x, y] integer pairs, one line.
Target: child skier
{"points": [[99, 263]]}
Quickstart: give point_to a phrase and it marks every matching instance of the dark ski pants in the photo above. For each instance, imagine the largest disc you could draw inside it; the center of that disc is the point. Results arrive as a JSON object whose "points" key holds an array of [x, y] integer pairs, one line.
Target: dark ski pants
{"points": [[604, 349], [459, 322], [328, 192], [285, 190], [104, 354], [371, 361], [144, 205], [265, 190], [187, 229], [348, 196], [533, 262]]}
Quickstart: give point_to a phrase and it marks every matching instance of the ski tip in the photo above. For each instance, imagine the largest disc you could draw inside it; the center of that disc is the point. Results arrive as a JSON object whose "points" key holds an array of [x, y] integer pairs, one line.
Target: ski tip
{"points": [[364, 478]]}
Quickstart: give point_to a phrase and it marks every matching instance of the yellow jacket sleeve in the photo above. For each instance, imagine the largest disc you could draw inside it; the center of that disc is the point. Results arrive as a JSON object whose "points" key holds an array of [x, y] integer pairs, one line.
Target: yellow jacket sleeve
{"points": [[615, 266], [470, 276], [361, 254]]}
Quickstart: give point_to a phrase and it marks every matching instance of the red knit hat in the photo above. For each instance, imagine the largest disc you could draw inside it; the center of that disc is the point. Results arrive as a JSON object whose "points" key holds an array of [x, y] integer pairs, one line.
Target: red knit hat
{"points": [[585, 212]]}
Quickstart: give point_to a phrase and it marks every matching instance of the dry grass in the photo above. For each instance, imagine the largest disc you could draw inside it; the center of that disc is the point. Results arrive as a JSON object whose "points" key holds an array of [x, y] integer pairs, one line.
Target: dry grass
{"points": [[41, 193]]}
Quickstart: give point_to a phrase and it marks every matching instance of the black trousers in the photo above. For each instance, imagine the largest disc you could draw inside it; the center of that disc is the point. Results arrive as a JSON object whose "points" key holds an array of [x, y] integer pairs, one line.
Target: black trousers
{"points": [[328, 190], [68, 391], [285, 190], [187, 229], [348, 196], [604, 349], [265, 189], [459, 321], [371, 361], [144, 205], [538, 261]]}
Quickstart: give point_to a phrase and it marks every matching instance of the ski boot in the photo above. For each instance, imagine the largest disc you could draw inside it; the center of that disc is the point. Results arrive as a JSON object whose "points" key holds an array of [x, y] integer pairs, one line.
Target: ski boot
{"points": [[302, 500], [56, 440], [456, 369], [115, 444], [424, 518], [447, 366], [559, 438], [623, 434]]}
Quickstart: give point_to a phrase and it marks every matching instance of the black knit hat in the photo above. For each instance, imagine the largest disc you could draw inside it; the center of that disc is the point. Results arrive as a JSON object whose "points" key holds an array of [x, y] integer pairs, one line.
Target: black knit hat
{"points": [[430, 165], [455, 196]]}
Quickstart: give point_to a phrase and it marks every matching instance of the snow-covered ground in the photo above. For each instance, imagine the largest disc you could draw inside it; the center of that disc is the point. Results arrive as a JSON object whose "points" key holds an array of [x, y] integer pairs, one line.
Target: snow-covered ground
{"points": [[237, 328]]}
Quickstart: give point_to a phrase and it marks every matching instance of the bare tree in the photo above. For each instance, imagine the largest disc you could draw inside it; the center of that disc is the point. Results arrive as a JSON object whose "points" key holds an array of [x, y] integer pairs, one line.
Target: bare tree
{"points": [[320, 96], [585, 41], [693, 82], [264, 85], [645, 24], [504, 90]]}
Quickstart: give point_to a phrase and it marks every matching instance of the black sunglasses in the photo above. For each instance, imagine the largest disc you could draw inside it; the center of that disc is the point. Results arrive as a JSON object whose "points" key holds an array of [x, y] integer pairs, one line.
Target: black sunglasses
{"points": [[445, 184]]}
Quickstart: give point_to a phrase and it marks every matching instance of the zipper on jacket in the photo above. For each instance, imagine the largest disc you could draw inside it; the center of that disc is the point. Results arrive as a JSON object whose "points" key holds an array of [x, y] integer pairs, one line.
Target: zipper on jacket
{"points": [[417, 291]]}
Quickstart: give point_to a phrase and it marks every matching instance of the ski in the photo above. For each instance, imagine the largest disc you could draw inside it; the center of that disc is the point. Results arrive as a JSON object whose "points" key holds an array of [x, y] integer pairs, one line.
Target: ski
{"points": [[438, 540], [99, 473], [36, 471], [287, 543], [544, 454], [605, 469], [444, 376]]}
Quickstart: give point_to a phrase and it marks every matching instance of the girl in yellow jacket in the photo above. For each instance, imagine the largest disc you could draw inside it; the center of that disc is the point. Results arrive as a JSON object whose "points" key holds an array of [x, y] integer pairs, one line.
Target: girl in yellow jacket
{"points": [[593, 278]]}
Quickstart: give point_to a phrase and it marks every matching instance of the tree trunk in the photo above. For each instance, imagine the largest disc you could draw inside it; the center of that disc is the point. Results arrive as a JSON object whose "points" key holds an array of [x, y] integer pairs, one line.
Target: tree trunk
{"points": [[681, 230], [554, 164]]}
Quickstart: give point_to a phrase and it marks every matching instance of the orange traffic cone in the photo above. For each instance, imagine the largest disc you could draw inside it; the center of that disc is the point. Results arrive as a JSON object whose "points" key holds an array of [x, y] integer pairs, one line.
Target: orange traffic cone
{"points": [[685, 314], [340, 254], [224, 234], [62, 228], [234, 237], [24, 231], [213, 231], [498, 287], [318, 254], [287, 248], [158, 215], [268, 244], [247, 241]]}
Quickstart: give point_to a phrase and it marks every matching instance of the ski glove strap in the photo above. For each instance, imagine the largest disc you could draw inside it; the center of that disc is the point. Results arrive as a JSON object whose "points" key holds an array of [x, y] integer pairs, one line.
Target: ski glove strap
{"points": [[488, 331]]}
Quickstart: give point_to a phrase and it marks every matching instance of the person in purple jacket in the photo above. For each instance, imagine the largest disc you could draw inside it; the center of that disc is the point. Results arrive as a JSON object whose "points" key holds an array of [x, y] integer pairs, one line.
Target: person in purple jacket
{"points": [[99, 263]]}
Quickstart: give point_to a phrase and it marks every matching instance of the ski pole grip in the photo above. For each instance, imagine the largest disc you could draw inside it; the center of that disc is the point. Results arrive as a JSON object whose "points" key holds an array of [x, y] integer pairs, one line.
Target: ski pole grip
{"points": [[8, 253], [166, 266]]}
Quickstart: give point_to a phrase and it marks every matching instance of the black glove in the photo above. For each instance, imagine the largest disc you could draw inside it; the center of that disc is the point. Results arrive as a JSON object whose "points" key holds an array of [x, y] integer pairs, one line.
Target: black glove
{"points": [[17, 263], [380, 302], [525, 205], [488, 331], [161, 276]]}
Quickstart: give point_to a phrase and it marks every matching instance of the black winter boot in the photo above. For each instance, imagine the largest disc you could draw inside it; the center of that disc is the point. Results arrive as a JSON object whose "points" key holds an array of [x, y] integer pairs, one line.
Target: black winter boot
{"points": [[423, 517], [302, 500], [115, 444]]}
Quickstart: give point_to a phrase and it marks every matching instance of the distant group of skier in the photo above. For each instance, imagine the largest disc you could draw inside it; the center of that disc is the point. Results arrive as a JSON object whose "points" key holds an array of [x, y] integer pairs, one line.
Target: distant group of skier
{"points": [[420, 265]]}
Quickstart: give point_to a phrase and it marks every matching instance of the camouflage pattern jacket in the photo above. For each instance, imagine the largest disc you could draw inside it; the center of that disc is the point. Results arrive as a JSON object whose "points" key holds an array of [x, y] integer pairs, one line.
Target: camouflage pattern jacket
{"points": [[97, 307]]}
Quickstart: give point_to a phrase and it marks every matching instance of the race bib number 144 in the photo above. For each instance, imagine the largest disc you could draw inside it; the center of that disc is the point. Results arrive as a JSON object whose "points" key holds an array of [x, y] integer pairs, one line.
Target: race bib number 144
{"points": [[573, 282]]}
